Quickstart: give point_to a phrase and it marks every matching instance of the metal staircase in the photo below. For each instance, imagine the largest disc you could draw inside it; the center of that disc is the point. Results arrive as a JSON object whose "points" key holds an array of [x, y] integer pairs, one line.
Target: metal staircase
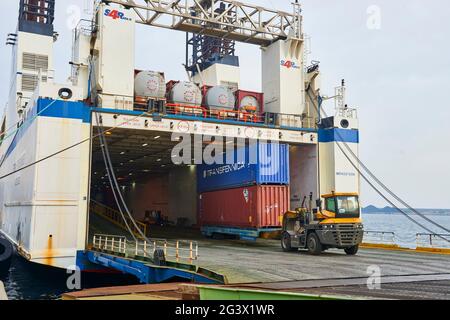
{"points": [[115, 217], [150, 260]]}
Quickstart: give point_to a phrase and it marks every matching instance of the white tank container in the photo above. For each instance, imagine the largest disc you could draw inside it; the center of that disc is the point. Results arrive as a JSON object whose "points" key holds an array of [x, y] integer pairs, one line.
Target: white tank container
{"points": [[150, 84], [249, 103], [220, 98], [185, 93]]}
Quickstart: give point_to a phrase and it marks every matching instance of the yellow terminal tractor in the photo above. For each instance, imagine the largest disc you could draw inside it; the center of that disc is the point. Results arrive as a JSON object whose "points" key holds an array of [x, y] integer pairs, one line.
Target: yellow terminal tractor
{"points": [[335, 223]]}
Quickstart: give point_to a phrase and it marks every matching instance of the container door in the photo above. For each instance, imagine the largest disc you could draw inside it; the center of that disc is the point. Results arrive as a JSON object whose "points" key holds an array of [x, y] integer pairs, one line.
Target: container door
{"points": [[273, 202]]}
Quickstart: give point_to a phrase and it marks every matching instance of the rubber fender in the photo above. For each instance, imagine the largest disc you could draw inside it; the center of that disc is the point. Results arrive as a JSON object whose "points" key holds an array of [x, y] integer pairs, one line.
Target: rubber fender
{"points": [[6, 255]]}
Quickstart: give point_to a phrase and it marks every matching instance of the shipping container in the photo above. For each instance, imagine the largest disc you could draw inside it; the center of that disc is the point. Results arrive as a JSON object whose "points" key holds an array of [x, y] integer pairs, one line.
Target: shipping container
{"points": [[259, 163], [257, 207], [249, 101]]}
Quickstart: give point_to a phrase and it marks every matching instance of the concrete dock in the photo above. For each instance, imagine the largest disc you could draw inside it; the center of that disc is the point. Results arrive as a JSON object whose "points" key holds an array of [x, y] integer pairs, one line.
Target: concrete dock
{"points": [[423, 287], [404, 274], [264, 261]]}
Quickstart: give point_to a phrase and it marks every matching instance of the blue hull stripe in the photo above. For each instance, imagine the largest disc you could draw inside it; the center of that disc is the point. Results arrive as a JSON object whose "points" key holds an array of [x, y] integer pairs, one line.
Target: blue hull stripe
{"points": [[339, 135], [64, 109], [59, 109]]}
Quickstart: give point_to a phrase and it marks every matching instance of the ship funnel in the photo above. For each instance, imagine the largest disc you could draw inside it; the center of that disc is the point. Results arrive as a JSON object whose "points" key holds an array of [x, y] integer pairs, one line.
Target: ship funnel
{"points": [[37, 16]]}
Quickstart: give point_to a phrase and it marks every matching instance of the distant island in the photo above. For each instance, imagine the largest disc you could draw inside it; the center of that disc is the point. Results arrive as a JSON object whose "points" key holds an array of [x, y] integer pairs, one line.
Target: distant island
{"points": [[390, 210]]}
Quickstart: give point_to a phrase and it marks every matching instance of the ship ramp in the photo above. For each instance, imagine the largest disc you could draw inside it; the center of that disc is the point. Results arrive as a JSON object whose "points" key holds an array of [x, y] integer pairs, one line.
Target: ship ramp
{"points": [[154, 261]]}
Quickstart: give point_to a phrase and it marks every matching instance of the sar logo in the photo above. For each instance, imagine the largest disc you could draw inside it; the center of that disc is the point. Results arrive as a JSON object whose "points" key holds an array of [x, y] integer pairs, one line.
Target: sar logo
{"points": [[289, 64], [116, 14]]}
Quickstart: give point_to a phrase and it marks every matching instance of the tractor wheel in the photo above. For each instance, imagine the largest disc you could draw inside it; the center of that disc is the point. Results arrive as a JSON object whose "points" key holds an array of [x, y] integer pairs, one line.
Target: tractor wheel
{"points": [[314, 245], [286, 242], [352, 250]]}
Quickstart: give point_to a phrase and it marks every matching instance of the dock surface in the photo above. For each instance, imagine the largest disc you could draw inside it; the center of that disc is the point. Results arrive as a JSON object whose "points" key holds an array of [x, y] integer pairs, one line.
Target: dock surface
{"points": [[264, 261], [423, 287], [404, 274]]}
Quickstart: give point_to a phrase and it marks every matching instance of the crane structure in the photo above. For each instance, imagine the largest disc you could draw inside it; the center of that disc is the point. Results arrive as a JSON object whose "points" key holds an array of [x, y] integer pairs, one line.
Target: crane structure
{"points": [[218, 18], [216, 25]]}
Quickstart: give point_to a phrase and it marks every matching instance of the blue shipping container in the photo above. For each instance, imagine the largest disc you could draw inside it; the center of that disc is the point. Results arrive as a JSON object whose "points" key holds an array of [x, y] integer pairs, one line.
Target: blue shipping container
{"points": [[264, 163]]}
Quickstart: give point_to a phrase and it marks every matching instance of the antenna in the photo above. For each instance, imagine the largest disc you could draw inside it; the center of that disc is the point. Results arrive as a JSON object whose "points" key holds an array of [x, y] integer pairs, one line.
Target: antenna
{"points": [[298, 18], [340, 96]]}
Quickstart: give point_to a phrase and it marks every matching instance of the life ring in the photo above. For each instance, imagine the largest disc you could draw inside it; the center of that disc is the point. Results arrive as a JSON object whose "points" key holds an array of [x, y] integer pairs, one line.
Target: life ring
{"points": [[65, 93]]}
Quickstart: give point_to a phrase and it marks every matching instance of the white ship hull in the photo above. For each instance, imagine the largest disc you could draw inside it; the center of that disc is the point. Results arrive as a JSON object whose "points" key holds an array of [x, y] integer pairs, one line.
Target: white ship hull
{"points": [[43, 208]]}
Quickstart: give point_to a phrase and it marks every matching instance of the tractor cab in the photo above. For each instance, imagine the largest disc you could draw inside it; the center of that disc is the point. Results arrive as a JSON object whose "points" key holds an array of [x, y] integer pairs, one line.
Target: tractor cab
{"points": [[338, 205]]}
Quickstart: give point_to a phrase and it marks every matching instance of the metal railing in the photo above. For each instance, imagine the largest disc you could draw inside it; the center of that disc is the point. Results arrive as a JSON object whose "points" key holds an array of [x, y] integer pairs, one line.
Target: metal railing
{"points": [[422, 240], [428, 240], [173, 249], [269, 119], [180, 109], [116, 218], [350, 113], [379, 237], [115, 244], [204, 113]]}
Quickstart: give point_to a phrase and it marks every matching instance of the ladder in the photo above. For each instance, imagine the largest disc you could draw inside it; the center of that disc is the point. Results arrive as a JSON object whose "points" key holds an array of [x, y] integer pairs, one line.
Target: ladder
{"points": [[115, 217]]}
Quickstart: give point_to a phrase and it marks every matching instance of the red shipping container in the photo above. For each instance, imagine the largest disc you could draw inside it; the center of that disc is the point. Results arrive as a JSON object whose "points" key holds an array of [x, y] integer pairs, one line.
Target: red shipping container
{"points": [[259, 206]]}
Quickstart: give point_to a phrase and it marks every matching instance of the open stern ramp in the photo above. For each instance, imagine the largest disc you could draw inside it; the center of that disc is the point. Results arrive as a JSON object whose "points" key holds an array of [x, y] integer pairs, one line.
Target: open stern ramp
{"points": [[144, 259]]}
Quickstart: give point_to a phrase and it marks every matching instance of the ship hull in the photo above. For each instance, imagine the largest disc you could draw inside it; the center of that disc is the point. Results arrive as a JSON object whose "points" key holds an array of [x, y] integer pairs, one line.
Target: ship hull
{"points": [[43, 203]]}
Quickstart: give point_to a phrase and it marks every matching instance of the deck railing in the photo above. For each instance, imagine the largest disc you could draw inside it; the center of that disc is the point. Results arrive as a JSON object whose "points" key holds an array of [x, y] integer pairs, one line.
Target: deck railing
{"points": [[177, 250], [422, 240], [379, 237], [436, 241], [242, 116]]}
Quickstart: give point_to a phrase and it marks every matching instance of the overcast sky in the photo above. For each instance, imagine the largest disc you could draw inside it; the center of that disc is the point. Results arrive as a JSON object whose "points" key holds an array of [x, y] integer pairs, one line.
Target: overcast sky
{"points": [[394, 55]]}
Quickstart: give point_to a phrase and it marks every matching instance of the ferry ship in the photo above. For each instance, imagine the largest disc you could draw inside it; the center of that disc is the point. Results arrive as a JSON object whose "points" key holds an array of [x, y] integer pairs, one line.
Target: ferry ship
{"points": [[52, 174]]}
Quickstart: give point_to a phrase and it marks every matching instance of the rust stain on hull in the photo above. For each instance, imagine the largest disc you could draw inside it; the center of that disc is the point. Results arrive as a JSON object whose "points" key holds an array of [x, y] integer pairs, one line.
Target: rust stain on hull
{"points": [[48, 259]]}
